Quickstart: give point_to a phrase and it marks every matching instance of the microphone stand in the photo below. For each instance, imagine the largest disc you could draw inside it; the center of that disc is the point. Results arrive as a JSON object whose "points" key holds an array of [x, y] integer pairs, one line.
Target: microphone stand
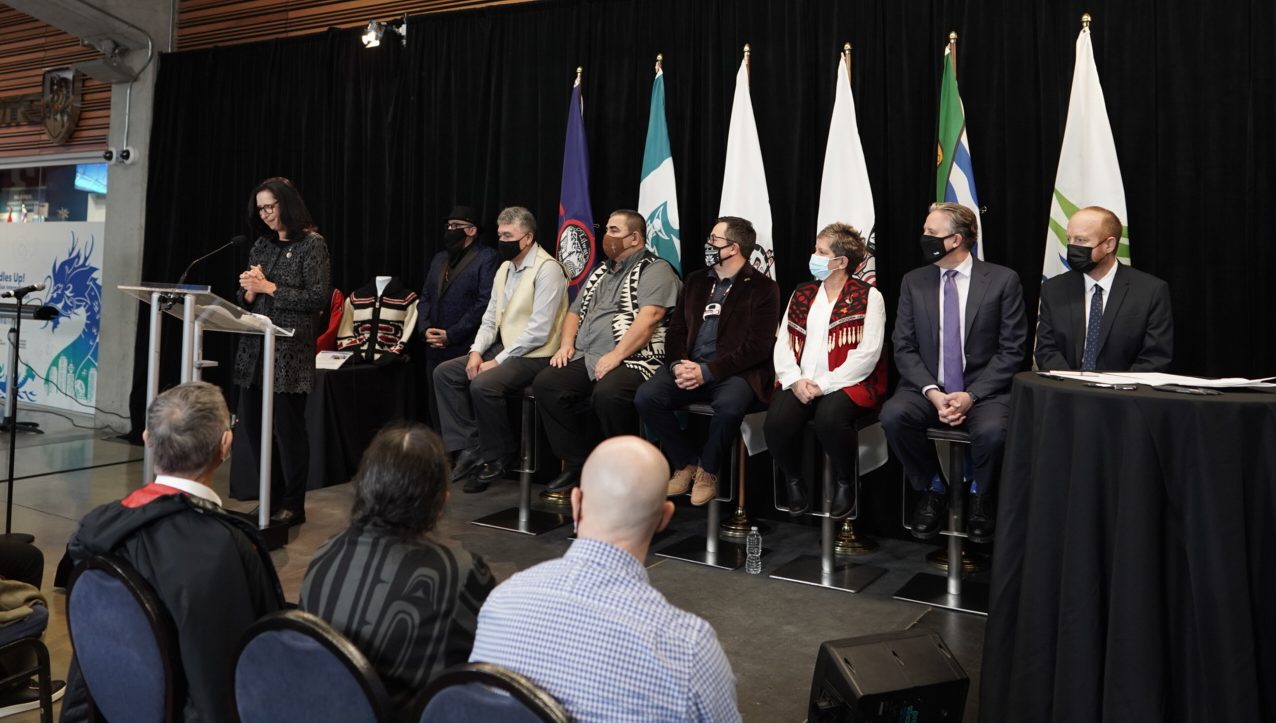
{"points": [[15, 334]]}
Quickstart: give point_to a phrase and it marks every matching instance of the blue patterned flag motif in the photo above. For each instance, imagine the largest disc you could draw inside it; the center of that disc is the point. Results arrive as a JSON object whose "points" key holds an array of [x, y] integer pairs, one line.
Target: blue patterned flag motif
{"points": [[576, 248]]}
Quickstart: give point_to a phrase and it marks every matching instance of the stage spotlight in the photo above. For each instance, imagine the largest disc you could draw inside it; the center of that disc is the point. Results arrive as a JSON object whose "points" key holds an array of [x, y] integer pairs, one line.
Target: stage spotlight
{"points": [[372, 36]]}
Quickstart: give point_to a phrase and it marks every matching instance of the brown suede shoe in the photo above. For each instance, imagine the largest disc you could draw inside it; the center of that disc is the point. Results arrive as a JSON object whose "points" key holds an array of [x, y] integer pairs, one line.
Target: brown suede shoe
{"points": [[681, 481], [705, 489]]}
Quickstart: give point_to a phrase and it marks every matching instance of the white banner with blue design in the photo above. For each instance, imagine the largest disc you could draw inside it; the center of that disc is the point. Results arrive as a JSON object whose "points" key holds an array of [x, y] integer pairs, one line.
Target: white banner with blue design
{"points": [[57, 358]]}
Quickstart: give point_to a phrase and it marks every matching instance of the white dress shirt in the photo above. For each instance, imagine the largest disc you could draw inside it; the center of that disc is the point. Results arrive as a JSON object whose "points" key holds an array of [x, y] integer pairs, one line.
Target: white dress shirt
{"points": [[190, 487], [1105, 283], [963, 291], [815, 354]]}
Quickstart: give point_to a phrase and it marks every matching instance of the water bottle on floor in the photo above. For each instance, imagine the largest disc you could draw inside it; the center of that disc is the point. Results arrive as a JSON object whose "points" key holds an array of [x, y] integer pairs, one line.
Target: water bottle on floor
{"points": [[753, 548]]}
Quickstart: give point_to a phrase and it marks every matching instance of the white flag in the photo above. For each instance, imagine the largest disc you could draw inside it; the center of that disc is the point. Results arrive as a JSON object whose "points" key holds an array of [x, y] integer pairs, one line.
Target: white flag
{"points": [[1089, 174], [744, 192], [845, 195]]}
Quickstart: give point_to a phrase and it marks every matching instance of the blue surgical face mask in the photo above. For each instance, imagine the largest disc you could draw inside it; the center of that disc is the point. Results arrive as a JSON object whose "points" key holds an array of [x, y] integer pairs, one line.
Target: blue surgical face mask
{"points": [[819, 266]]}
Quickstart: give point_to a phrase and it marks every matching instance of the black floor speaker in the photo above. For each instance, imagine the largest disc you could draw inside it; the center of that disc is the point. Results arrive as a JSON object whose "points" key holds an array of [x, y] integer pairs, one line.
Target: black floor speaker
{"points": [[888, 678]]}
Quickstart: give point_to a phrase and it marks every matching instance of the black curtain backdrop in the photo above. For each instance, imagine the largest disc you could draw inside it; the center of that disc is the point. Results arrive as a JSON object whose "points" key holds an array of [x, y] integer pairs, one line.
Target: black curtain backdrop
{"points": [[381, 142]]}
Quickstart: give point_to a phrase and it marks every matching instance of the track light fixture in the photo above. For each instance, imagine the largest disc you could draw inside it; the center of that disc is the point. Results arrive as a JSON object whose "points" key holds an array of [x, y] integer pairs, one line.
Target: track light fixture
{"points": [[376, 31]]}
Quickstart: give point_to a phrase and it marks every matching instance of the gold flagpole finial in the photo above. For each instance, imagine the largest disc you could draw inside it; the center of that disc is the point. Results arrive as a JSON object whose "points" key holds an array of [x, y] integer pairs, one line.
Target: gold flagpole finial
{"points": [[846, 56], [579, 70], [1085, 21], [747, 50], [846, 48], [660, 60], [952, 36]]}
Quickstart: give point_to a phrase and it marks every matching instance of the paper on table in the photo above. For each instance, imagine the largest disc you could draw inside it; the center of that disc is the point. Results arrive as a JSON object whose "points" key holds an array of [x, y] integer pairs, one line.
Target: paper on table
{"points": [[1157, 379]]}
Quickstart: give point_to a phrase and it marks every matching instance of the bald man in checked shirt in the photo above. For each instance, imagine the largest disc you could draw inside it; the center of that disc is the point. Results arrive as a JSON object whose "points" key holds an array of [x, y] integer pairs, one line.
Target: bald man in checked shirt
{"points": [[590, 629]]}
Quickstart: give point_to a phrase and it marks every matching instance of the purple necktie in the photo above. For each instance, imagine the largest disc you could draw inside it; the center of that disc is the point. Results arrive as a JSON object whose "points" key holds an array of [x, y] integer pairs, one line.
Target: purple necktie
{"points": [[953, 353]]}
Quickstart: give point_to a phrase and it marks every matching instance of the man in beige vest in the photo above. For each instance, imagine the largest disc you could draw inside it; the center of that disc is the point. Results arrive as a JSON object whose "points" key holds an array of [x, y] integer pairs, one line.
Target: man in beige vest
{"points": [[519, 333]]}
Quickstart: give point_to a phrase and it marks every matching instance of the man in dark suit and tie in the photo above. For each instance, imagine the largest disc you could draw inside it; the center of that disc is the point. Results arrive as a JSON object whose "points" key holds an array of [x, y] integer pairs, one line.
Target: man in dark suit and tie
{"points": [[959, 339], [458, 285], [1103, 315]]}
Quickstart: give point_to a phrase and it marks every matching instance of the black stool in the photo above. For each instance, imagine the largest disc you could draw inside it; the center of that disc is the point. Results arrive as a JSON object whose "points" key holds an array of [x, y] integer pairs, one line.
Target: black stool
{"points": [[712, 551], [951, 592], [523, 519], [823, 571]]}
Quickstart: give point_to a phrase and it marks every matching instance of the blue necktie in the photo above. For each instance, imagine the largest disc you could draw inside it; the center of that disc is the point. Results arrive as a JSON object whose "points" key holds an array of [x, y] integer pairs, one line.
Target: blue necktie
{"points": [[953, 353], [1090, 356]]}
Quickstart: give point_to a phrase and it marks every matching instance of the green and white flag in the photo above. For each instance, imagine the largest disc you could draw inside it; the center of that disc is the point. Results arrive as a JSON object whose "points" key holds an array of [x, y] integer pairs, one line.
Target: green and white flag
{"points": [[1089, 174], [954, 171], [658, 191]]}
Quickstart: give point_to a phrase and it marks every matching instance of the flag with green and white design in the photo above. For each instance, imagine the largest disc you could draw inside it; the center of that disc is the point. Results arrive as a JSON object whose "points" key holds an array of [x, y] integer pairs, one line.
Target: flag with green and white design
{"points": [[1089, 173], [658, 190]]}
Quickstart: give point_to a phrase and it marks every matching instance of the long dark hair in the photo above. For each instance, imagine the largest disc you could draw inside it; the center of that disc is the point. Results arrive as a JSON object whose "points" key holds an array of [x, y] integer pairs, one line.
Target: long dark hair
{"points": [[292, 209], [402, 480]]}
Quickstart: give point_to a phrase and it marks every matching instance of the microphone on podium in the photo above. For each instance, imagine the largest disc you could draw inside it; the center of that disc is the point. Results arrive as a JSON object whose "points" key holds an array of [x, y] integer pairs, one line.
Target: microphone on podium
{"points": [[22, 291], [239, 240]]}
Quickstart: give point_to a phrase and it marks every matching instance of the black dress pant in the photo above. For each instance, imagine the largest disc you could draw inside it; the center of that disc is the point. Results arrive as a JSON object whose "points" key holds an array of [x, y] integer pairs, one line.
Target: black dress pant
{"points": [[659, 397], [907, 415], [578, 412], [291, 444], [834, 415]]}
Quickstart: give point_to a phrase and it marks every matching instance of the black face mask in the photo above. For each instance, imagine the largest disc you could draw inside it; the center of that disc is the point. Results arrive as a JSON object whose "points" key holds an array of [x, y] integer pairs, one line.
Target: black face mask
{"points": [[508, 249], [933, 248], [1079, 258], [713, 254], [454, 239]]}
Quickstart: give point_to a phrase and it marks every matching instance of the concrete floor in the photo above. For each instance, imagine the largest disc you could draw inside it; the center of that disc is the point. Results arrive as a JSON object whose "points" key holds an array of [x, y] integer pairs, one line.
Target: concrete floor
{"points": [[771, 629]]}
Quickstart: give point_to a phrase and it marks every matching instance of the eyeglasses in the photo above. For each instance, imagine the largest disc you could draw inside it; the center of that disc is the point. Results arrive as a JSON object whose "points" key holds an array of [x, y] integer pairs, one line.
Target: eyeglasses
{"points": [[267, 208], [452, 226], [725, 241], [234, 420]]}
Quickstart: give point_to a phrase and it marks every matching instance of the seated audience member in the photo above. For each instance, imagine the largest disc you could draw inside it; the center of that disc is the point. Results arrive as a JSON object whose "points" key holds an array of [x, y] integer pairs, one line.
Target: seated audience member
{"points": [[408, 602], [959, 339], [1103, 315], [590, 629], [24, 613], [209, 569], [519, 333], [828, 365], [717, 348], [613, 340]]}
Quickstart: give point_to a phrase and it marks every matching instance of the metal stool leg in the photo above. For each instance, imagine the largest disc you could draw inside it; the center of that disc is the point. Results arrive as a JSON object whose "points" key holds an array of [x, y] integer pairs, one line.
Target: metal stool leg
{"points": [[523, 519], [951, 591], [823, 571], [711, 551]]}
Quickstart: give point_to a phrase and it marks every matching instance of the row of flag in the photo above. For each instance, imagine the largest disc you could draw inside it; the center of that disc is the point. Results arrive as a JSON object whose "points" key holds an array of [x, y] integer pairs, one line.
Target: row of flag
{"points": [[1088, 172]]}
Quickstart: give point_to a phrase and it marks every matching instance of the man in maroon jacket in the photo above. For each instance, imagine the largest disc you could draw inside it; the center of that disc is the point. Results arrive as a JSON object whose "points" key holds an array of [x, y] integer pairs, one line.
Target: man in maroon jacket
{"points": [[717, 350]]}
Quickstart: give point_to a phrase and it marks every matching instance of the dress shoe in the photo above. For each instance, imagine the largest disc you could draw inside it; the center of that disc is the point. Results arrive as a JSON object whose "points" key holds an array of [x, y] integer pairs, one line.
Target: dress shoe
{"points": [[799, 502], [928, 515], [681, 481], [492, 471], [565, 481], [843, 499], [981, 519], [704, 488], [288, 518], [466, 465]]}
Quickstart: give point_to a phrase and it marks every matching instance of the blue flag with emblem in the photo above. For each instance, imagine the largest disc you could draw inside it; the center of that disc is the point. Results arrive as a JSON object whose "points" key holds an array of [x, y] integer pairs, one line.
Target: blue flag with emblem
{"points": [[658, 191], [576, 248]]}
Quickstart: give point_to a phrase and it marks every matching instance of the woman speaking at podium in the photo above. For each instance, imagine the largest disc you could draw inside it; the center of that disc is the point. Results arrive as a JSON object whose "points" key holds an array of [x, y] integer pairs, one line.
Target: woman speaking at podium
{"points": [[289, 280]]}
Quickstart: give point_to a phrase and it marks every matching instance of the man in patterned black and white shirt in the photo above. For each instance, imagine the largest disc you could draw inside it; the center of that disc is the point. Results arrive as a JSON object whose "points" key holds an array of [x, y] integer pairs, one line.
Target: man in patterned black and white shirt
{"points": [[590, 629]]}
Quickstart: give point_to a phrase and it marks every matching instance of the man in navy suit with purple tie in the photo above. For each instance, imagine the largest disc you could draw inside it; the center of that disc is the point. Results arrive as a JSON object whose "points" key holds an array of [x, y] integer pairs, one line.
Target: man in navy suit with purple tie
{"points": [[959, 340]]}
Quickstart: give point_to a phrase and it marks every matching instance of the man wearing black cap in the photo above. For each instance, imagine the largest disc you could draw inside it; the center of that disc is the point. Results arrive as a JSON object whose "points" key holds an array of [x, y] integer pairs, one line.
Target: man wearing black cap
{"points": [[457, 288]]}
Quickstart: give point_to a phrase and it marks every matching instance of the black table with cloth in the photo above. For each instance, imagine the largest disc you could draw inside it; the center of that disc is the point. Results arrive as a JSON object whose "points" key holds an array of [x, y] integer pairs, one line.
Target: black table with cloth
{"points": [[344, 411], [1134, 576]]}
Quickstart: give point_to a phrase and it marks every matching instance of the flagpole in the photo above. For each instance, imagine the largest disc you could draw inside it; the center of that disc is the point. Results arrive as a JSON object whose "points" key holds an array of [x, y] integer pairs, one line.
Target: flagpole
{"points": [[846, 54], [748, 66], [660, 61], [579, 70], [952, 49], [1085, 21]]}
